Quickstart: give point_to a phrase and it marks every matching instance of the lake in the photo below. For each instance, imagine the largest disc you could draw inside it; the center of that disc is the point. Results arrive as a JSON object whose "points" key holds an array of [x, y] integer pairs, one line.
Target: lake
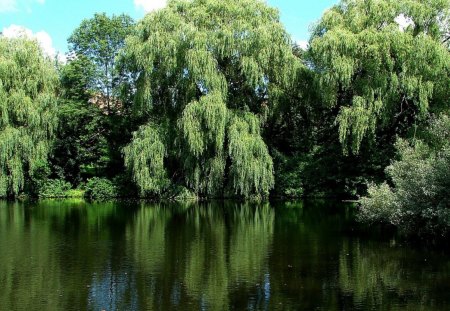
{"points": [[73, 255]]}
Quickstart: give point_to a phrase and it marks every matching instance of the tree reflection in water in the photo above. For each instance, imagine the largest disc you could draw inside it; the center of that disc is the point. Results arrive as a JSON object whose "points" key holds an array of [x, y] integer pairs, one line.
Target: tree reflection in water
{"points": [[72, 255], [210, 250]]}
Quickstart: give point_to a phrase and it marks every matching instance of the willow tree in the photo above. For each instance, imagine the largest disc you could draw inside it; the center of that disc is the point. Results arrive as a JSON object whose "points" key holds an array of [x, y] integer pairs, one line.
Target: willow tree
{"points": [[28, 120], [210, 73], [382, 63]]}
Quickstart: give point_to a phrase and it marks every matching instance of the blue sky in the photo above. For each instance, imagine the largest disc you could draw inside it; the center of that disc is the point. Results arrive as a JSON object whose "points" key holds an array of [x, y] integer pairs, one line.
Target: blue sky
{"points": [[52, 21]]}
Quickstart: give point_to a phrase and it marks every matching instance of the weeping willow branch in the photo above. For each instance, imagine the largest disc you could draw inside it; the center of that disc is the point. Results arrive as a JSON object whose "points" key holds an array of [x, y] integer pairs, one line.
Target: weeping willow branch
{"points": [[252, 167], [368, 63], [203, 124], [145, 158], [28, 118]]}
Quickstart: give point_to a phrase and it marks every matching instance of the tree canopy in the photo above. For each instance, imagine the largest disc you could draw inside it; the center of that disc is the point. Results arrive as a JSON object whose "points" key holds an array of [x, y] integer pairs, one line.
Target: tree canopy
{"points": [[383, 63], [93, 111], [28, 86], [96, 44], [210, 72]]}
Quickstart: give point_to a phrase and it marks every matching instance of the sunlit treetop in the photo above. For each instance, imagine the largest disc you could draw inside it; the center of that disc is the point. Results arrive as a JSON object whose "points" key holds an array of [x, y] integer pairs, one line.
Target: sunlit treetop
{"points": [[194, 47], [382, 62], [96, 42]]}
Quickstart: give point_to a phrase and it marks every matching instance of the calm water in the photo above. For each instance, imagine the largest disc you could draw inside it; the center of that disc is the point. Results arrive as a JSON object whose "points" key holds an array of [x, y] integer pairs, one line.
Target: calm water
{"points": [[133, 256]]}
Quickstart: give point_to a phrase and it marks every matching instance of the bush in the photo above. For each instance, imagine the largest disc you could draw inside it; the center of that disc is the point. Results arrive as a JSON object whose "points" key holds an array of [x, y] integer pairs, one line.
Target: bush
{"points": [[54, 188], [100, 189], [418, 202]]}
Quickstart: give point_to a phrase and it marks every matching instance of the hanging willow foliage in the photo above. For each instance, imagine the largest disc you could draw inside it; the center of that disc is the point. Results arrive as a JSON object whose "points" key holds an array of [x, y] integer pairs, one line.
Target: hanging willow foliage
{"points": [[145, 157], [252, 168], [203, 125], [201, 64], [28, 119], [381, 61]]}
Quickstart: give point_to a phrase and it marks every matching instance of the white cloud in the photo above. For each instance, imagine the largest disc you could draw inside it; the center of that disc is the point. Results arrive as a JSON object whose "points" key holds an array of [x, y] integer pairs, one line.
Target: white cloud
{"points": [[149, 5], [43, 38], [303, 44], [404, 21], [17, 5], [15, 31]]}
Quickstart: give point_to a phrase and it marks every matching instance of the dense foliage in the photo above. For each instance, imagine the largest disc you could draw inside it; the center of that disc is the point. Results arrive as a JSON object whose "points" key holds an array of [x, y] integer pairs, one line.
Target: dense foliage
{"points": [[380, 74], [96, 43], [54, 188], [100, 189], [80, 149], [418, 199], [92, 112], [28, 120]]}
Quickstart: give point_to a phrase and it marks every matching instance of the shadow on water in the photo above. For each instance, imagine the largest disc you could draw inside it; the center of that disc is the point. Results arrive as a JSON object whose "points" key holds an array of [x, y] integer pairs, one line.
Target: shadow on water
{"points": [[72, 255]]}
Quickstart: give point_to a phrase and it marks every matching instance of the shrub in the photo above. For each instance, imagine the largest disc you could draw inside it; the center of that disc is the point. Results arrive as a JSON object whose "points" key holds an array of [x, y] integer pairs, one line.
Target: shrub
{"points": [[379, 206], [100, 189], [418, 202], [54, 188]]}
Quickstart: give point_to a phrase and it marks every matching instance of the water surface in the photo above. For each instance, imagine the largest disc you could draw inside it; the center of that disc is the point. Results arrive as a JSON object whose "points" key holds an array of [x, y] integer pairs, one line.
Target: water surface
{"points": [[70, 255]]}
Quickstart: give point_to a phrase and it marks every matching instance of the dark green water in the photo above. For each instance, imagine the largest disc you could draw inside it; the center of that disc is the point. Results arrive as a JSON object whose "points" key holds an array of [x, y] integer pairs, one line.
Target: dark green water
{"points": [[132, 256]]}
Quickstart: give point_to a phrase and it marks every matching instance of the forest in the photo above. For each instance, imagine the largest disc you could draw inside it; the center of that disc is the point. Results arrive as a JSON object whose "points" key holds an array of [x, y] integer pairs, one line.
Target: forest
{"points": [[213, 99]]}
